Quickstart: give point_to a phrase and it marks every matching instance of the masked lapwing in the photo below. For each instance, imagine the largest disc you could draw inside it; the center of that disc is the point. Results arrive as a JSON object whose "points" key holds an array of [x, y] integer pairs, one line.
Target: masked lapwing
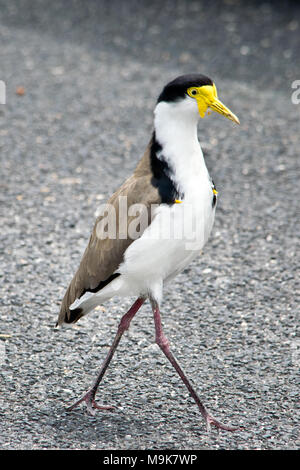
{"points": [[154, 225]]}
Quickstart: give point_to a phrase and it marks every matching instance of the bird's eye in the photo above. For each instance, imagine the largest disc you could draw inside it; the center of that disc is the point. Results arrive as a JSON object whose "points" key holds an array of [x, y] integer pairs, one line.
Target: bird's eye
{"points": [[194, 92]]}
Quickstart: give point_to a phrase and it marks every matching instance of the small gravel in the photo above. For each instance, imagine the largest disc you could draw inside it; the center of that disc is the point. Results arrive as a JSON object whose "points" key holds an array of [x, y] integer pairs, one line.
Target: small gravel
{"points": [[91, 72]]}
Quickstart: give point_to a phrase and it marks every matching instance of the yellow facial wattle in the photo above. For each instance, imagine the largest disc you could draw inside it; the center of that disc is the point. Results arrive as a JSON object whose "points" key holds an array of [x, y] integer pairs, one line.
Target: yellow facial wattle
{"points": [[207, 97]]}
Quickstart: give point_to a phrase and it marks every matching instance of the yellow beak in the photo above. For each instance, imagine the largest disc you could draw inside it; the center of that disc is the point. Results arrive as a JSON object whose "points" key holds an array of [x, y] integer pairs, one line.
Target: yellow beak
{"points": [[219, 107]]}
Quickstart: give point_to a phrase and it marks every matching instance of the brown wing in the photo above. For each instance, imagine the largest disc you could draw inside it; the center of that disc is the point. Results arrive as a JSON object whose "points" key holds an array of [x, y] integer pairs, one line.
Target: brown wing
{"points": [[103, 256]]}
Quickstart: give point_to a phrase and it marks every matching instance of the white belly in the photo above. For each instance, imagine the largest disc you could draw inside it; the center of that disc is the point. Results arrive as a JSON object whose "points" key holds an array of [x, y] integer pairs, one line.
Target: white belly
{"points": [[175, 236]]}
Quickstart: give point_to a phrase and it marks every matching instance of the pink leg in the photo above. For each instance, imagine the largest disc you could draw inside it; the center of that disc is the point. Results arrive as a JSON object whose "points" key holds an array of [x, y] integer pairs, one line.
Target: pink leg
{"points": [[89, 397], [163, 343]]}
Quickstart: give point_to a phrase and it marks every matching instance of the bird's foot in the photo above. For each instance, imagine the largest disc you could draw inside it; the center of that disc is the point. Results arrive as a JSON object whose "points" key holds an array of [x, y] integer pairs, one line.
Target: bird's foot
{"points": [[211, 421], [92, 405]]}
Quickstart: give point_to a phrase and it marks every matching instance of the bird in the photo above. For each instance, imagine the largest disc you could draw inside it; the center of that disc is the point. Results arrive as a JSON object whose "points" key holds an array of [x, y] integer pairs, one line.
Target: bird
{"points": [[153, 226]]}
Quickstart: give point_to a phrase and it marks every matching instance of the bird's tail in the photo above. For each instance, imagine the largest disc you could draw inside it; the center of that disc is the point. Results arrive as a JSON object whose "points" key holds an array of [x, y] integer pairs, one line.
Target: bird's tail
{"points": [[66, 315], [75, 305], [85, 305]]}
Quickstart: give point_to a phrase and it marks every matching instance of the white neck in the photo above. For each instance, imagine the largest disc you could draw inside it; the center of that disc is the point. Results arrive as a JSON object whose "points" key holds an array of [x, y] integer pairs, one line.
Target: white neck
{"points": [[176, 130]]}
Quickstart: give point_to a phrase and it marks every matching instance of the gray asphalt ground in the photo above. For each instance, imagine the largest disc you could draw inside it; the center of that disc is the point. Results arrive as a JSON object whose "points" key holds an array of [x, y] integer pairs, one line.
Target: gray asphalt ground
{"points": [[92, 72]]}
